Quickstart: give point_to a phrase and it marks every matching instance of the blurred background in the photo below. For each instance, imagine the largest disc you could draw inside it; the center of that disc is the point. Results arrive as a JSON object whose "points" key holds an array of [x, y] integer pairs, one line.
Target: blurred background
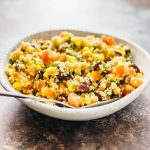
{"points": [[22, 128], [128, 18]]}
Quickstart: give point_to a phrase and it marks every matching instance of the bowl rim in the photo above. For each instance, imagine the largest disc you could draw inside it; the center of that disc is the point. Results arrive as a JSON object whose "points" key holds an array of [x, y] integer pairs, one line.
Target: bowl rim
{"points": [[10, 88]]}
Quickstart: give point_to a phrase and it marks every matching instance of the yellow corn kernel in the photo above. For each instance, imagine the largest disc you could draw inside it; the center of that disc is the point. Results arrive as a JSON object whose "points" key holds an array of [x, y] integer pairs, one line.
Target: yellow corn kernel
{"points": [[50, 71], [103, 86], [85, 49], [38, 49], [110, 77], [71, 88], [65, 35], [108, 53], [16, 54], [87, 53], [139, 75], [25, 45], [87, 101], [56, 41], [38, 67], [16, 85], [77, 41], [71, 59], [45, 75], [98, 56], [119, 48]]}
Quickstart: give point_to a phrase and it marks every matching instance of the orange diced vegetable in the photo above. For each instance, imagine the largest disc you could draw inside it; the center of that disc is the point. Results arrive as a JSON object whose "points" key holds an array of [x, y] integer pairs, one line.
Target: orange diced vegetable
{"points": [[95, 75], [49, 93], [132, 71], [121, 70], [126, 89], [47, 56], [108, 40], [40, 84], [62, 88], [62, 58], [55, 57], [74, 100], [135, 81]]}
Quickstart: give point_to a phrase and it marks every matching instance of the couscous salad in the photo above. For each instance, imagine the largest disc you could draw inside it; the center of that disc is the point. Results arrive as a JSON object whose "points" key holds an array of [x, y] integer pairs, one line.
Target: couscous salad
{"points": [[74, 69]]}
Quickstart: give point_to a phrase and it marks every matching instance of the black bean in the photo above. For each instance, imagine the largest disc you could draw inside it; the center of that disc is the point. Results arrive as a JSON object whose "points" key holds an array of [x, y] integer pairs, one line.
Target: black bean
{"points": [[121, 81], [128, 51], [104, 73], [11, 61], [40, 74], [88, 82], [60, 75], [126, 79], [16, 66], [73, 73], [62, 97], [69, 76], [34, 92], [62, 48], [96, 66], [83, 88], [33, 45], [113, 96], [98, 95], [118, 53], [136, 68], [82, 72], [42, 42], [78, 92], [98, 83]]}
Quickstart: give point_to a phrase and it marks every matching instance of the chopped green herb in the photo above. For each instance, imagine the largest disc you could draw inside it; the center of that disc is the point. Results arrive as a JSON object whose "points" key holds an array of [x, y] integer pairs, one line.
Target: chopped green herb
{"points": [[34, 61], [112, 83], [56, 64], [115, 82], [69, 54], [118, 82], [60, 81], [108, 92], [73, 46], [105, 67], [130, 59], [69, 39]]}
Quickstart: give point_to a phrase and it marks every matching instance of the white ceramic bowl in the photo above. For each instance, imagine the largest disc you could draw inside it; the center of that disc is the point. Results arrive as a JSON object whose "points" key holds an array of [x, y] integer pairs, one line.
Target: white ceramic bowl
{"points": [[142, 58]]}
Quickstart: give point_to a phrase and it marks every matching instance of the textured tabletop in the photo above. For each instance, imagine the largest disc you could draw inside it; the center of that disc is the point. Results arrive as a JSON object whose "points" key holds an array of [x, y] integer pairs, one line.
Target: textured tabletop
{"points": [[22, 128]]}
